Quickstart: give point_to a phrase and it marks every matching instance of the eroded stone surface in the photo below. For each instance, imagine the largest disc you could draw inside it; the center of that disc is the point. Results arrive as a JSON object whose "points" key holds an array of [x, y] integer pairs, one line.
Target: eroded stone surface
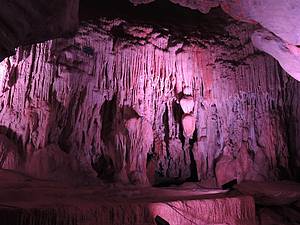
{"points": [[111, 104], [278, 215], [272, 193], [287, 55], [278, 17], [47, 202], [189, 124], [277, 203], [187, 104]]}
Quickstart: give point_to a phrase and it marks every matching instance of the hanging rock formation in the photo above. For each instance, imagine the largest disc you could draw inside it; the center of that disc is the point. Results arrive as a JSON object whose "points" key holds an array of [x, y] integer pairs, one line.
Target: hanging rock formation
{"points": [[136, 104], [287, 55], [279, 17], [276, 16], [40, 20]]}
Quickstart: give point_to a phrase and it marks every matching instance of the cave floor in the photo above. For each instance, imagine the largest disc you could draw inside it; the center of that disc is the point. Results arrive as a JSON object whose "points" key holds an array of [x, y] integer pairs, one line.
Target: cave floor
{"points": [[25, 200]]}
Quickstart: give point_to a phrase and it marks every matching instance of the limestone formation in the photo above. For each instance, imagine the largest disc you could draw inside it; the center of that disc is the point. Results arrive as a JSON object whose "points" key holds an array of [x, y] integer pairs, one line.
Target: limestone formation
{"points": [[187, 104], [287, 55], [149, 114], [112, 107], [279, 18], [47, 202], [189, 124]]}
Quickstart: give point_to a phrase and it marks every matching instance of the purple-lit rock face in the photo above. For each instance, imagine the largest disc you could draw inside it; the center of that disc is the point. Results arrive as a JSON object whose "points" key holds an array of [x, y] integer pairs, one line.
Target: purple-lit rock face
{"points": [[276, 16], [287, 55], [149, 94], [38, 21], [188, 123], [46, 202], [134, 104], [279, 17], [203, 6]]}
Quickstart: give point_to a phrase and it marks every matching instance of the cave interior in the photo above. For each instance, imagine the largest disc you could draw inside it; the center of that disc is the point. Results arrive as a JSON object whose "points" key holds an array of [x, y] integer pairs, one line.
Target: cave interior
{"points": [[139, 112]]}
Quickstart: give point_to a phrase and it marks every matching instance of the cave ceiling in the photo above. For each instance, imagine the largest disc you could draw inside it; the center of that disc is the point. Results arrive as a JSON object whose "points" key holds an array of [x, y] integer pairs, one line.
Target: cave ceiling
{"points": [[278, 30]]}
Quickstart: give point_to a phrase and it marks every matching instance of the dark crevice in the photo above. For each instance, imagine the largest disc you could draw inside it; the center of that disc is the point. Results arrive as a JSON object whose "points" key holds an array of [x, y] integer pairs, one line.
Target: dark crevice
{"points": [[15, 138], [129, 113], [178, 113], [13, 77], [81, 98], [290, 122], [181, 135], [67, 122], [30, 76], [166, 130], [193, 165], [104, 167], [108, 115], [160, 221], [166, 182]]}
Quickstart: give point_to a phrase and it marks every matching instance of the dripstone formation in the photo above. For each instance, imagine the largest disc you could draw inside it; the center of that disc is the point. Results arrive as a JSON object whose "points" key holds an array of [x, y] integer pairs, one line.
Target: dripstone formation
{"points": [[133, 103]]}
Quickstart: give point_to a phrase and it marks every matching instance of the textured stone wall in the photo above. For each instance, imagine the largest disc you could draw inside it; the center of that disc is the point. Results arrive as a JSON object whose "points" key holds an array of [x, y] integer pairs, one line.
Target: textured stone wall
{"points": [[138, 104], [279, 34]]}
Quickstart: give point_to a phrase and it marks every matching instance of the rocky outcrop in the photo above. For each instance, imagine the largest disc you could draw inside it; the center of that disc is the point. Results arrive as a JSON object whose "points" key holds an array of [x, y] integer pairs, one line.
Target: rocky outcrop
{"points": [[113, 102], [287, 55], [273, 193], [28, 21], [278, 215], [277, 202], [39, 21], [47, 202], [277, 17]]}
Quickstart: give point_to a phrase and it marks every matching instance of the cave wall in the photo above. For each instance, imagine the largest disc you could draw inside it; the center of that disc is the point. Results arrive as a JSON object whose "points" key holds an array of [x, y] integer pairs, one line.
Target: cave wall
{"points": [[277, 35], [107, 104]]}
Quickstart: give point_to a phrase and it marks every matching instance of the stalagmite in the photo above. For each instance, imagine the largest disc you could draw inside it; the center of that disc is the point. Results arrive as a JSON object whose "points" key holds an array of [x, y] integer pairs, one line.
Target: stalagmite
{"points": [[187, 104], [141, 140], [188, 123]]}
